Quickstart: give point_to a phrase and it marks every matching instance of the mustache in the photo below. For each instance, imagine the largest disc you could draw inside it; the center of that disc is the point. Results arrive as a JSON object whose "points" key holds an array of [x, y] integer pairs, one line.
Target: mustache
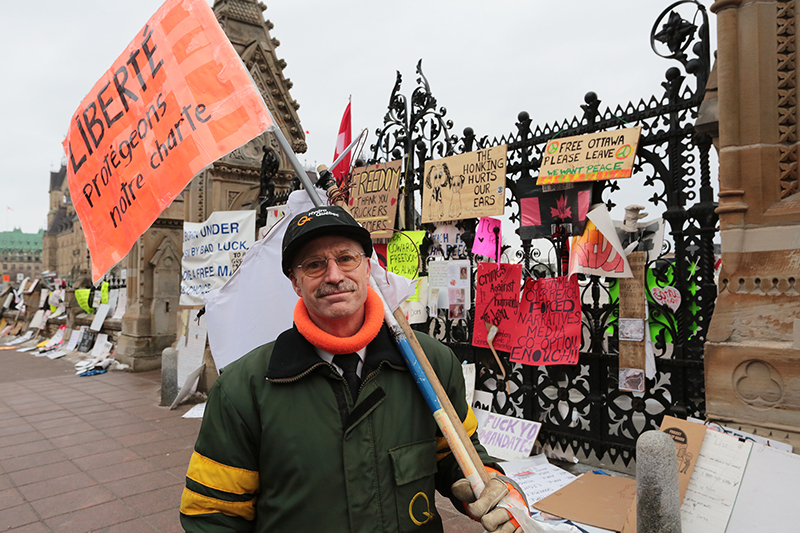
{"points": [[329, 288]]}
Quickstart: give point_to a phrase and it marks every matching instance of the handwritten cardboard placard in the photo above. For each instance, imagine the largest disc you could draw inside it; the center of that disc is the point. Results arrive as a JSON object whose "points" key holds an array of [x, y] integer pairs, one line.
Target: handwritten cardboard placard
{"points": [[212, 251], [497, 302], [402, 253], [373, 197], [175, 100], [548, 327], [488, 238], [469, 185], [506, 437], [605, 155]]}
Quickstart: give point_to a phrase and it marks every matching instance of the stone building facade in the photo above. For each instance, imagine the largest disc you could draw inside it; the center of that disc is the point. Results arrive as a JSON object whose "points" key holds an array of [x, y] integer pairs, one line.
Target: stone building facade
{"points": [[231, 183], [752, 353], [64, 249], [20, 254]]}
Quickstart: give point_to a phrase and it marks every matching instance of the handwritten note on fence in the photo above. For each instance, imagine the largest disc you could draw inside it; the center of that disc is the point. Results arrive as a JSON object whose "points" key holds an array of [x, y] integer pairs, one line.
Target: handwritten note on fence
{"points": [[548, 325]]}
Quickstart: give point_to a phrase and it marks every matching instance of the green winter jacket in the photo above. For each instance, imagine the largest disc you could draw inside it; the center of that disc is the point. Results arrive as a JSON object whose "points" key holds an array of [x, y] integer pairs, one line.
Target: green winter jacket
{"points": [[282, 447]]}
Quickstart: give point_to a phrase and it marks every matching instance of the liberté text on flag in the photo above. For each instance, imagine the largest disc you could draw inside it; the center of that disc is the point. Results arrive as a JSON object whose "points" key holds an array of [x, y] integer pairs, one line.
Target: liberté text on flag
{"points": [[175, 100]]}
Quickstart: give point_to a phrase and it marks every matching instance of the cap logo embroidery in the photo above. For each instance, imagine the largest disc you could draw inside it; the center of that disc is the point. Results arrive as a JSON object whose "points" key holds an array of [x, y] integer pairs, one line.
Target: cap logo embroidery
{"points": [[303, 220]]}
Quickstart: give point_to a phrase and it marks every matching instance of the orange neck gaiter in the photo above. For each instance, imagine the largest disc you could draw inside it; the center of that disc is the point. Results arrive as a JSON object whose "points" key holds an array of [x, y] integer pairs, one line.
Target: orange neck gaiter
{"points": [[373, 319]]}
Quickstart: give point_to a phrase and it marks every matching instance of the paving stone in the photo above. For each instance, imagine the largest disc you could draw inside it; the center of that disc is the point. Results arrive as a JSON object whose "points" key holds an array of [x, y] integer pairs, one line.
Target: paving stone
{"points": [[18, 516], [59, 485], [27, 461], [155, 501], [100, 460], [144, 483], [42, 473], [72, 501], [116, 472], [11, 498], [93, 518]]}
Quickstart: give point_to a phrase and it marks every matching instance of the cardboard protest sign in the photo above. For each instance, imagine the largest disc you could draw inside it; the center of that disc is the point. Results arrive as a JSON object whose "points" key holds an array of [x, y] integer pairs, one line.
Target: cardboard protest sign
{"points": [[402, 253], [497, 302], [548, 327], [506, 437], [177, 99], [605, 155], [488, 238], [373, 197], [598, 250], [541, 211], [213, 250], [469, 185], [632, 316]]}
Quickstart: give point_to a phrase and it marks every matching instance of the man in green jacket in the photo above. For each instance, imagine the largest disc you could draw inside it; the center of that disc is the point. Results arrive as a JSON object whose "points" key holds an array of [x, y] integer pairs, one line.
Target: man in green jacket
{"points": [[324, 429]]}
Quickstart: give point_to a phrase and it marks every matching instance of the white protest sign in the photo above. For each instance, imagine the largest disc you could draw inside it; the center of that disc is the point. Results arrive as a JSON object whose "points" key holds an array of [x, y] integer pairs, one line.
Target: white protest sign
{"points": [[211, 251], [506, 437]]}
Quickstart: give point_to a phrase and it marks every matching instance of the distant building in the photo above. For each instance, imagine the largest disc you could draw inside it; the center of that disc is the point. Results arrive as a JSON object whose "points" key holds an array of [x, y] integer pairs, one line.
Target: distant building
{"points": [[64, 248], [20, 253]]}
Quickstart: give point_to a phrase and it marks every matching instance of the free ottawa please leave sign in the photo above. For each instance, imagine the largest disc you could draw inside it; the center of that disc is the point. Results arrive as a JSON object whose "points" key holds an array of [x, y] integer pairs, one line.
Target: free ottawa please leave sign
{"points": [[605, 155]]}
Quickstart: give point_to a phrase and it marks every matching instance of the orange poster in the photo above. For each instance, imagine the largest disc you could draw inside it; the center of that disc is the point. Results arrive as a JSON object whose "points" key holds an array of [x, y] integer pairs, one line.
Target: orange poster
{"points": [[177, 99]]}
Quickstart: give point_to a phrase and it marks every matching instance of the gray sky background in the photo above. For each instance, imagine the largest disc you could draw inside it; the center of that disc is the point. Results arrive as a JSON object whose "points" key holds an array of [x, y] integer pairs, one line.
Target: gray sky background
{"points": [[485, 62]]}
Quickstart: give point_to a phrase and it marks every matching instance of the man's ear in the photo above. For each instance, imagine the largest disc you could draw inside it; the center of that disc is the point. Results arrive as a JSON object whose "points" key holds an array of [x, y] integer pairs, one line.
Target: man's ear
{"points": [[295, 285]]}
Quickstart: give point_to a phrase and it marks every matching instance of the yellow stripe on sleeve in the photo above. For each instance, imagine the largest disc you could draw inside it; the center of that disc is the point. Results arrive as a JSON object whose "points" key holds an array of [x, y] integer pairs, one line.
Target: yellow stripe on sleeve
{"points": [[222, 477], [194, 504]]}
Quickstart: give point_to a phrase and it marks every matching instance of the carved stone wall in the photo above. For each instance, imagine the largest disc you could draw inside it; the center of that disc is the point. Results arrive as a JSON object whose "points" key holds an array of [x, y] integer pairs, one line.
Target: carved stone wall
{"points": [[752, 355]]}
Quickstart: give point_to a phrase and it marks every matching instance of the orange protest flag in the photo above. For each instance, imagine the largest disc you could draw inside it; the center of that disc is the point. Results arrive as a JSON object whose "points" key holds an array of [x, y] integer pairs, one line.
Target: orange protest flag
{"points": [[177, 99]]}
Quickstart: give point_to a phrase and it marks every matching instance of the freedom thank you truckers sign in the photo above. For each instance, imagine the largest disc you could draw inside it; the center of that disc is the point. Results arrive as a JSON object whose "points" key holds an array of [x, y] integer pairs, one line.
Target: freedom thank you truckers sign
{"points": [[177, 99]]}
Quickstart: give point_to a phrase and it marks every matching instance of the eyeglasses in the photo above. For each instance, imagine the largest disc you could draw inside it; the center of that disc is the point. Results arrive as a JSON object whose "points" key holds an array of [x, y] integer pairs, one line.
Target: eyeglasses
{"points": [[314, 267]]}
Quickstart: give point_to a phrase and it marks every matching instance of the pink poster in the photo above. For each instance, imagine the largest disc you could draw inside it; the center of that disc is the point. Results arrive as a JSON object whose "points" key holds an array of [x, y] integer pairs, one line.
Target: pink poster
{"points": [[496, 302], [548, 326]]}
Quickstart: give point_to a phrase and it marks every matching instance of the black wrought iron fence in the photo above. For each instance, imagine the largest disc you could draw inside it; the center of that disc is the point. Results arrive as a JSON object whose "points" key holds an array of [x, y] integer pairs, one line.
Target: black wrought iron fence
{"points": [[581, 406]]}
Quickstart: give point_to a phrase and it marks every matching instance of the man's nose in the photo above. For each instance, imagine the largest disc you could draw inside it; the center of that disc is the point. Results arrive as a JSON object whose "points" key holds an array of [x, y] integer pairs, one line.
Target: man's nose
{"points": [[333, 272]]}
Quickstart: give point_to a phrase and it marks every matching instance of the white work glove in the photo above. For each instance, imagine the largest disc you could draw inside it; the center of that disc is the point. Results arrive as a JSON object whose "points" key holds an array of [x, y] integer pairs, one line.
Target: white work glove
{"points": [[485, 509]]}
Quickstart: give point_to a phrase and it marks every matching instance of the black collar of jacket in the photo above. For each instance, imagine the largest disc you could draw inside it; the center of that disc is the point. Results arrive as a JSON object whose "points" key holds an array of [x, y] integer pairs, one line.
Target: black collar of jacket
{"points": [[293, 355]]}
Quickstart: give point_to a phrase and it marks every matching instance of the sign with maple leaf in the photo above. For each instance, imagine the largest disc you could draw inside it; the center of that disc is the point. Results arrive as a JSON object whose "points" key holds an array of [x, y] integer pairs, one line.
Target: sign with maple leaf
{"points": [[541, 211]]}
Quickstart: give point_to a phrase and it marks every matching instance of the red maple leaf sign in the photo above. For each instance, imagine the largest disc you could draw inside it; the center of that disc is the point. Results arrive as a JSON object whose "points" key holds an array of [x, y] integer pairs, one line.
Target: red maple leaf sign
{"points": [[561, 210]]}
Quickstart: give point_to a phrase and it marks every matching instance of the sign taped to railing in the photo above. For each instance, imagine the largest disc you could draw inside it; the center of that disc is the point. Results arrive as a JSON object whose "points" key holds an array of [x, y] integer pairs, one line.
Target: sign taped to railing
{"points": [[605, 155], [177, 99], [213, 250], [373, 197], [468, 185]]}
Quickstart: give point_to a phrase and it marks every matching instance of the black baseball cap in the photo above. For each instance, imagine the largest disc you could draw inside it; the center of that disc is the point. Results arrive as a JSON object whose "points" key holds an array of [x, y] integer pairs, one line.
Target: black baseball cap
{"points": [[319, 222]]}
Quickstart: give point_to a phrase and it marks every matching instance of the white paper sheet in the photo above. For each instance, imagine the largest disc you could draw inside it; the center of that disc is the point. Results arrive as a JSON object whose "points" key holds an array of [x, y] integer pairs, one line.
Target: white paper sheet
{"points": [[74, 339], [195, 412], [537, 480], [192, 345], [99, 317], [99, 349], [714, 484], [769, 493], [122, 301]]}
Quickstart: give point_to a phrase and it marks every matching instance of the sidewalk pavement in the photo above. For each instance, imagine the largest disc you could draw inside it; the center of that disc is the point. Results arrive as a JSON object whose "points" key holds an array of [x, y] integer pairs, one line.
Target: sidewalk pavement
{"points": [[81, 454]]}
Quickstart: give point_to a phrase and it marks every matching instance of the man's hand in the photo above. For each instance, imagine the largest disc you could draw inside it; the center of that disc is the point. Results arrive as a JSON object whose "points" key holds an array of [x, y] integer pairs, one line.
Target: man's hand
{"points": [[484, 509]]}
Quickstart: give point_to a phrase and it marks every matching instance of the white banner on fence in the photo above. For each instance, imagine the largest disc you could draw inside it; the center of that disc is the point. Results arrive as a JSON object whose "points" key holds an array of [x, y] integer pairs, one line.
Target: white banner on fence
{"points": [[212, 250]]}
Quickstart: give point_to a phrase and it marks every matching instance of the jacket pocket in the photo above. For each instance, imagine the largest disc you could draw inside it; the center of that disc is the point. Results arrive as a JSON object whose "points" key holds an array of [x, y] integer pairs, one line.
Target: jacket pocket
{"points": [[414, 468]]}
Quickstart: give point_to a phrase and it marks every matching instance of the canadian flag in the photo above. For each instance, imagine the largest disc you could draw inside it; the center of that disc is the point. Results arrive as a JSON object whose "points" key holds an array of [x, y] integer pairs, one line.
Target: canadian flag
{"points": [[342, 142]]}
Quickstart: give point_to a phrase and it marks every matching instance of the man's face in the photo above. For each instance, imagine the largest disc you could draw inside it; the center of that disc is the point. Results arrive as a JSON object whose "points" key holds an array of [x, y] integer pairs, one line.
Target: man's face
{"points": [[335, 295]]}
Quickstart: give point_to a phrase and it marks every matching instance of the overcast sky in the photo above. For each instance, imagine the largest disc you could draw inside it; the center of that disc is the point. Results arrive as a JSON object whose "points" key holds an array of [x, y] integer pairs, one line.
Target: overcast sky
{"points": [[485, 62]]}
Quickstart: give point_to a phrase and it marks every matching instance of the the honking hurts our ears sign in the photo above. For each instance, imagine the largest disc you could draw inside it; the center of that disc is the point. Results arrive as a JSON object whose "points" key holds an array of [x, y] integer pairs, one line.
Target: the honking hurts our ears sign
{"points": [[174, 101]]}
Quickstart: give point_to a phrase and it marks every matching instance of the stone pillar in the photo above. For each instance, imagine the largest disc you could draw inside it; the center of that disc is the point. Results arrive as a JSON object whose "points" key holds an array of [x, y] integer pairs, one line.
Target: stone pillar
{"points": [[752, 360], [153, 291]]}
